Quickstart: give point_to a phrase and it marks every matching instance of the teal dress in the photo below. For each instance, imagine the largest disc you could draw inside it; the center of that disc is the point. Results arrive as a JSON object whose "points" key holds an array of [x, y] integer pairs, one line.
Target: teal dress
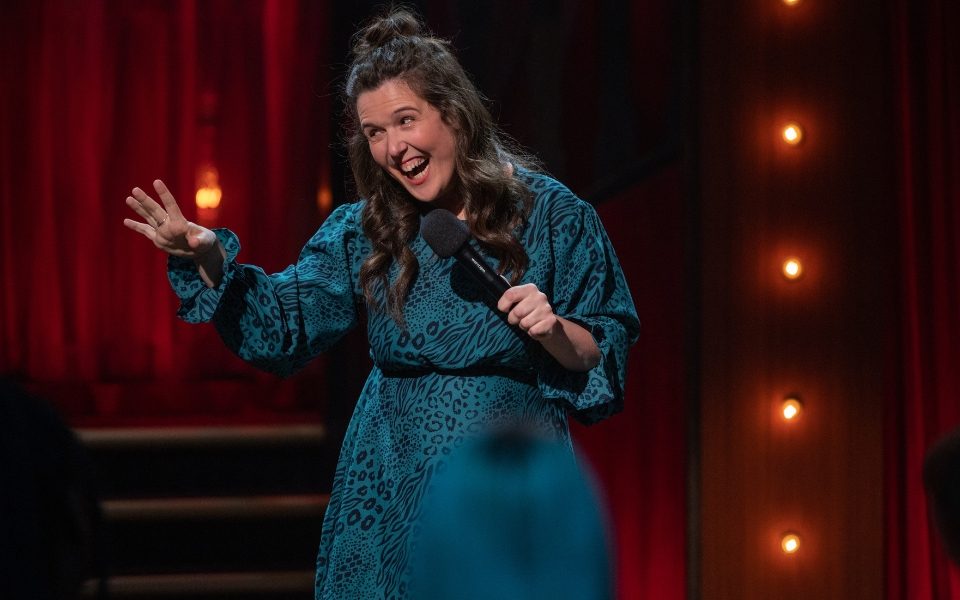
{"points": [[456, 369]]}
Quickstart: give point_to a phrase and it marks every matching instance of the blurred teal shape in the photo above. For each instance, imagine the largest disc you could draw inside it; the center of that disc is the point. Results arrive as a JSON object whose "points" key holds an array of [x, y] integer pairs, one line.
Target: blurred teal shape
{"points": [[511, 515]]}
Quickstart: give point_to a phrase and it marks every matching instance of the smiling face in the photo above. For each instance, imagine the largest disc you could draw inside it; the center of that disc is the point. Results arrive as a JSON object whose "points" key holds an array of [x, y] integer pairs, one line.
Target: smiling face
{"points": [[409, 139]]}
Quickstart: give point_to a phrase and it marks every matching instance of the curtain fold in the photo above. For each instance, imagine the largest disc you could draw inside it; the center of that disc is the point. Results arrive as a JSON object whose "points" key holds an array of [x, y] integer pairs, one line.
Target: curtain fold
{"points": [[926, 62], [109, 96]]}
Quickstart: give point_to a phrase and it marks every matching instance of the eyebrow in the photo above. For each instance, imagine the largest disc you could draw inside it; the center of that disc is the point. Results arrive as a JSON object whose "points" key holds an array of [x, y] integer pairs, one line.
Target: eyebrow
{"points": [[366, 125]]}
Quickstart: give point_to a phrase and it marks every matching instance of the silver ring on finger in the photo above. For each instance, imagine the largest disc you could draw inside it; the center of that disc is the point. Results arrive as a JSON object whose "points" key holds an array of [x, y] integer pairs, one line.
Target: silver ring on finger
{"points": [[161, 222]]}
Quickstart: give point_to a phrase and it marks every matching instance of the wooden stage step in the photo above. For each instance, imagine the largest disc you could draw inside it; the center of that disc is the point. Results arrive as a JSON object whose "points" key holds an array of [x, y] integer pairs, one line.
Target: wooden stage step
{"points": [[268, 584], [211, 512]]}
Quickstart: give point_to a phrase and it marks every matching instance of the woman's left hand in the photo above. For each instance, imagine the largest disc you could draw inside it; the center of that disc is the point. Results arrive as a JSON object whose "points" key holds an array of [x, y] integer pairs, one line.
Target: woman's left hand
{"points": [[528, 308], [572, 345]]}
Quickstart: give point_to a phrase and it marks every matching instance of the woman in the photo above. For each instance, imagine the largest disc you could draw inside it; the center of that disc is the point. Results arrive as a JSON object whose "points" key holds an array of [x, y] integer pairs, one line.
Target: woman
{"points": [[447, 364]]}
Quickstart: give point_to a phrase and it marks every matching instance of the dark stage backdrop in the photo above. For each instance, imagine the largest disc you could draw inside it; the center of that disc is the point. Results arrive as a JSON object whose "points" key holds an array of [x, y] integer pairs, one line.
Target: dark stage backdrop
{"points": [[926, 61], [101, 96], [870, 201]]}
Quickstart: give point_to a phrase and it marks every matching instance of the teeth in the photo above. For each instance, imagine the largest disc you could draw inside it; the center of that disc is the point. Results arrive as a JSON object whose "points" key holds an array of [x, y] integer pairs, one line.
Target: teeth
{"points": [[410, 166]]}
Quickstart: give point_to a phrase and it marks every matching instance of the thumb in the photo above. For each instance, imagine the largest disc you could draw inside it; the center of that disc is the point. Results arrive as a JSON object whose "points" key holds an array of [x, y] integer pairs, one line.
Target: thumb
{"points": [[198, 237]]}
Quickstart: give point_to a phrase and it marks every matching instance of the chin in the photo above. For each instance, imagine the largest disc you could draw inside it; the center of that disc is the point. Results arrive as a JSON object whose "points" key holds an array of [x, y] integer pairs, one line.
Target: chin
{"points": [[424, 195], [419, 197]]}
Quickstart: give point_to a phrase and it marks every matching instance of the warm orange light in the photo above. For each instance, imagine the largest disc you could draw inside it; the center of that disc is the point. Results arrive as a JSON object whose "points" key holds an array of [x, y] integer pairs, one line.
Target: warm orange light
{"points": [[792, 133], [791, 2], [790, 543], [790, 409], [208, 197], [208, 191], [324, 199], [792, 268]]}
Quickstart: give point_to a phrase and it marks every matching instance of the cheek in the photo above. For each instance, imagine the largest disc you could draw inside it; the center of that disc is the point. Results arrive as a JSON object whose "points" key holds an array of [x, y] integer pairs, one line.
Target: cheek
{"points": [[376, 155], [451, 144]]}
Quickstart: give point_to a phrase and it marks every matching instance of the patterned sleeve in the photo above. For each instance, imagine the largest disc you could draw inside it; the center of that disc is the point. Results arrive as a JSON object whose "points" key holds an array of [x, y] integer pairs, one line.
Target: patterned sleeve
{"points": [[588, 288], [279, 322]]}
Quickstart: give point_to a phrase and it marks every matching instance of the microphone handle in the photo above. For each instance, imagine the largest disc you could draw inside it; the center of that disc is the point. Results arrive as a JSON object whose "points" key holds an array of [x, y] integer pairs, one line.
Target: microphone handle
{"points": [[492, 282]]}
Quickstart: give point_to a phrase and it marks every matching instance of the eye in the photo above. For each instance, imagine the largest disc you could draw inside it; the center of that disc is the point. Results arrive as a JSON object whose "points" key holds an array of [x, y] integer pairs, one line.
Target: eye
{"points": [[406, 120], [373, 134]]}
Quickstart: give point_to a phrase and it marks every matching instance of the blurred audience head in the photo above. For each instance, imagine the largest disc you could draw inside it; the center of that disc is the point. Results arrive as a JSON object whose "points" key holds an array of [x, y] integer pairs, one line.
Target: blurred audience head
{"points": [[511, 515], [941, 477], [49, 517]]}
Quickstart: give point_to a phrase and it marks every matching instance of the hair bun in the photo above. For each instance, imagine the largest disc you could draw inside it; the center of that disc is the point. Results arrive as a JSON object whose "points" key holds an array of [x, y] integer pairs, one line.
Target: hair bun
{"points": [[381, 30]]}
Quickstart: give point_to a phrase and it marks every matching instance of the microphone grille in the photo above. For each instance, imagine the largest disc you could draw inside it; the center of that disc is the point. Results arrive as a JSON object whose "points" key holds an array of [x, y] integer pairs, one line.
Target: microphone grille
{"points": [[443, 232]]}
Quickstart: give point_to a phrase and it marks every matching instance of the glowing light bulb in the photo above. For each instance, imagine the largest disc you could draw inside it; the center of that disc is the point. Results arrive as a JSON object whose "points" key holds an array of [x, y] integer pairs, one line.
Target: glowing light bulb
{"points": [[792, 268], [791, 2], [790, 543], [208, 191], [792, 133], [790, 409]]}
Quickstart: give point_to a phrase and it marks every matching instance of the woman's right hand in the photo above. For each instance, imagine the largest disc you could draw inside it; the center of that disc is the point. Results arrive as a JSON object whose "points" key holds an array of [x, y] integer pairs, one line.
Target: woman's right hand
{"points": [[169, 231], [166, 227]]}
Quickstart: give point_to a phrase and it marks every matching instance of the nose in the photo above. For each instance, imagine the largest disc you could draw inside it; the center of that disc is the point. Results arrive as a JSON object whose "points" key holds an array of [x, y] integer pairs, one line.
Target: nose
{"points": [[396, 146]]}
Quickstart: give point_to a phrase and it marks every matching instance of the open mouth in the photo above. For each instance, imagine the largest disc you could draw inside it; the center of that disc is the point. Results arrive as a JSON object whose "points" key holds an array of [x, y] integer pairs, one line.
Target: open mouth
{"points": [[413, 168]]}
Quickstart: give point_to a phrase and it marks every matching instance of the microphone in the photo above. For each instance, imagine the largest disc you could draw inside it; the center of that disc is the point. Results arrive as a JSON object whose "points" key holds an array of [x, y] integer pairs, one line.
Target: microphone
{"points": [[447, 236]]}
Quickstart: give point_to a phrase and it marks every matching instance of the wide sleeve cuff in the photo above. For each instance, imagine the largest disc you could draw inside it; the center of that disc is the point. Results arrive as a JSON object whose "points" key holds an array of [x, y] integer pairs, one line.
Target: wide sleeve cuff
{"points": [[591, 395], [198, 303]]}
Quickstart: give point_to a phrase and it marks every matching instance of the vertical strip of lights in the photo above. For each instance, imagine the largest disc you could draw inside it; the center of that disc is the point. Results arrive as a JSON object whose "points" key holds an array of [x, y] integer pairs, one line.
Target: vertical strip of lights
{"points": [[792, 135]]}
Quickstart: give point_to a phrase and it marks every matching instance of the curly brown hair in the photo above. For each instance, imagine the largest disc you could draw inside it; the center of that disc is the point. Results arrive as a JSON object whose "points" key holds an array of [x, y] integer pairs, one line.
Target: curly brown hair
{"points": [[396, 46]]}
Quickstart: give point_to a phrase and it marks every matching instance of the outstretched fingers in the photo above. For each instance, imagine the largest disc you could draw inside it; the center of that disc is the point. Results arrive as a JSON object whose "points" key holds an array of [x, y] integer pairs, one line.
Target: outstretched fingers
{"points": [[138, 208], [149, 209], [148, 231], [169, 204]]}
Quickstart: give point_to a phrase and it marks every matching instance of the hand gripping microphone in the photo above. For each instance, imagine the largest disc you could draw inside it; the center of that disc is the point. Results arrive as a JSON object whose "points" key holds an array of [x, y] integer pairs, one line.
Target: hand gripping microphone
{"points": [[449, 237]]}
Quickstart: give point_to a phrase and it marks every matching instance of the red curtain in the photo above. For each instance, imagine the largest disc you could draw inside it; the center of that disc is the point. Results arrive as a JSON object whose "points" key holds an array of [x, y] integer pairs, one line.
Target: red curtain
{"points": [[102, 96], [927, 75], [640, 456]]}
